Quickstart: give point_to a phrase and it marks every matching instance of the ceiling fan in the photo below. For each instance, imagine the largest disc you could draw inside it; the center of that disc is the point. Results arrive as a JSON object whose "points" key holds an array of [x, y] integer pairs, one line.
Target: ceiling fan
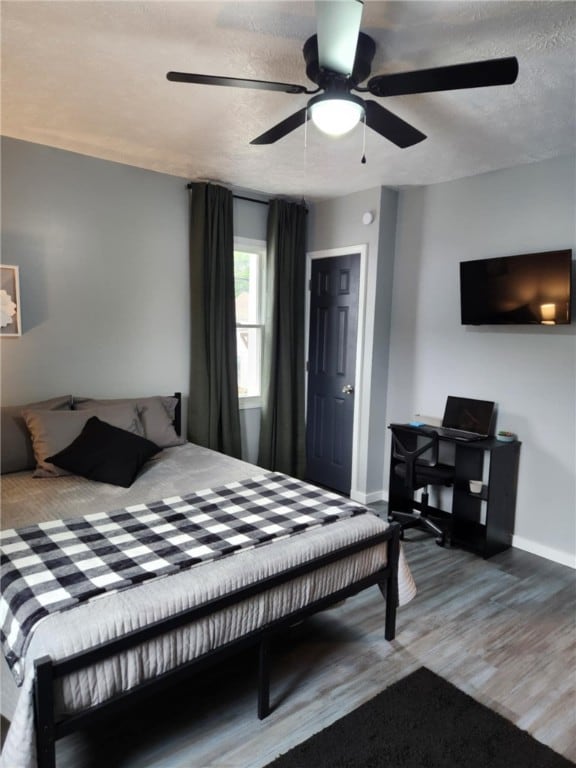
{"points": [[338, 58]]}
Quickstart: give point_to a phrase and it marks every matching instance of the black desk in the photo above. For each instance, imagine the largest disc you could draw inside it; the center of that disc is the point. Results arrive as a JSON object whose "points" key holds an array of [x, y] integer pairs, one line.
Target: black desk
{"points": [[488, 534]]}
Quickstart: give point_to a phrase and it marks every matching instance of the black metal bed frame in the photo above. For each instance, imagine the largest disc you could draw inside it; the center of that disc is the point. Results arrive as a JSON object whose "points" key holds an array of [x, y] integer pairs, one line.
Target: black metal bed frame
{"points": [[50, 727]]}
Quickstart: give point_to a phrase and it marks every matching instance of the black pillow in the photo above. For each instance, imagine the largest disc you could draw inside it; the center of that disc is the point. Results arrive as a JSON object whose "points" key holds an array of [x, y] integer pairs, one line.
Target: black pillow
{"points": [[105, 453]]}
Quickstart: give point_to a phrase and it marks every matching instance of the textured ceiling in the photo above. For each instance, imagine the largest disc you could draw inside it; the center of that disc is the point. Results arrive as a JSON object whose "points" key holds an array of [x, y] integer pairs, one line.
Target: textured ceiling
{"points": [[90, 77]]}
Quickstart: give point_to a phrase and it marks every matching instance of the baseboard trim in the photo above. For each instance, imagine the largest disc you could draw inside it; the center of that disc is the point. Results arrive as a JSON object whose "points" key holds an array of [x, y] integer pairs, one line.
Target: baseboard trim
{"points": [[550, 553], [519, 542], [368, 498]]}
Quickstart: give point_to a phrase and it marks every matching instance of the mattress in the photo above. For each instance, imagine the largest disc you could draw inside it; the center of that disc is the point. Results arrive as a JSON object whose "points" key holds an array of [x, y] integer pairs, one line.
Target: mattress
{"points": [[179, 470]]}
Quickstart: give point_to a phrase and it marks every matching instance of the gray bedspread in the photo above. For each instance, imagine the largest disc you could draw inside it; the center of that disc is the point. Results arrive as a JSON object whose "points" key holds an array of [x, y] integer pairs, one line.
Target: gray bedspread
{"points": [[178, 470]]}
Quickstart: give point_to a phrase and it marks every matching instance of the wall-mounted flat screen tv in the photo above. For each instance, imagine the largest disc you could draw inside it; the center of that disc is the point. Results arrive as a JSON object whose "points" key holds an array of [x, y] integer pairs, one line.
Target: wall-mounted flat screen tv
{"points": [[533, 288]]}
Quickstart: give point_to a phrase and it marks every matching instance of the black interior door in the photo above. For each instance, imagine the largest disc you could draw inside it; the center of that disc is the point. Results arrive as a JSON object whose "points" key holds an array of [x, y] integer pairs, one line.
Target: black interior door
{"points": [[334, 288]]}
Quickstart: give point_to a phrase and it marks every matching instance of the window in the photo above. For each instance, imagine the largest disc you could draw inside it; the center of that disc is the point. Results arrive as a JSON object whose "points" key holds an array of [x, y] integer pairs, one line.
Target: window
{"points": [[249, 261]]}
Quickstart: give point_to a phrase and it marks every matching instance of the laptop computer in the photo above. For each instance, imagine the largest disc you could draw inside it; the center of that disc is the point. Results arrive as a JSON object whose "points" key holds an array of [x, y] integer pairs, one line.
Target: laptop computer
{"points": [[467, 419]]}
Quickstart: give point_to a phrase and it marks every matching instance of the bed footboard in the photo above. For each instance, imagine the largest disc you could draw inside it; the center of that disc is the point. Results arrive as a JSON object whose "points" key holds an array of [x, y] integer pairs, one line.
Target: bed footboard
{"points": [[49, 728]]}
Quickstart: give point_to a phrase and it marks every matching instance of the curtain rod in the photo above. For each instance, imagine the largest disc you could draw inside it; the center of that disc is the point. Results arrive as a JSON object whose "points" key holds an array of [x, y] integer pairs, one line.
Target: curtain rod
{"points": [[249, 199], [238, 197]]}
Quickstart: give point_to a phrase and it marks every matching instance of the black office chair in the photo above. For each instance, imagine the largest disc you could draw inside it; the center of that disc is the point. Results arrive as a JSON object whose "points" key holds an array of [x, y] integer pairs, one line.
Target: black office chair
{"points": [[415, 454]]}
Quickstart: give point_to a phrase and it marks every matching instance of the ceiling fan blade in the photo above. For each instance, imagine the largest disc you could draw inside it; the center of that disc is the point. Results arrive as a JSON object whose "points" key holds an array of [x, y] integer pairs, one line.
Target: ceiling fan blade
{"points": [[338, 26], [475, 74], [391, 126], [235, 82], [283, 128]]}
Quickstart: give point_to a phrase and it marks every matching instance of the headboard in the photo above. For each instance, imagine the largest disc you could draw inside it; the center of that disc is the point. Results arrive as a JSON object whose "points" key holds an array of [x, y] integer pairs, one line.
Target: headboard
{"points": [[178, 413]]}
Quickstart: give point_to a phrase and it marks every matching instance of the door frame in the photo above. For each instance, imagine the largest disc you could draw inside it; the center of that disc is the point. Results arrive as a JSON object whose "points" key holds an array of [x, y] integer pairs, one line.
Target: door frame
{"points": [[358, 428]]}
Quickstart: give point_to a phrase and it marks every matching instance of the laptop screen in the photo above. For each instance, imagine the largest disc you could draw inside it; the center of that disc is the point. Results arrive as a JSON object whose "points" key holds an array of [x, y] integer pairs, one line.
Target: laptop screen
{"points": [[468, 414]]}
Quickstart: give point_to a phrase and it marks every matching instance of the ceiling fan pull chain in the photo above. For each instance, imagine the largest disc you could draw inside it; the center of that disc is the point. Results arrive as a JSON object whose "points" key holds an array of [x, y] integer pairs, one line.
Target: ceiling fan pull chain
{"points": [[363, 161], [305, 168]]}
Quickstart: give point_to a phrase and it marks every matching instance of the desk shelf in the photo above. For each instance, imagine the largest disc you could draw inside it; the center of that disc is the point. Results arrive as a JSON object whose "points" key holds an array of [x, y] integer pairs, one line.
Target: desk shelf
{"points": [[483, 522], [465, 488], [472, 537], [489, 533]]}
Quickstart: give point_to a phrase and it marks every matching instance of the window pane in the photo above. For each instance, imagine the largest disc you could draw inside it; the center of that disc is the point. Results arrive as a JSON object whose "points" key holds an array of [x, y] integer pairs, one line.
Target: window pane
{"points": [[247, 286], [248, 341]]}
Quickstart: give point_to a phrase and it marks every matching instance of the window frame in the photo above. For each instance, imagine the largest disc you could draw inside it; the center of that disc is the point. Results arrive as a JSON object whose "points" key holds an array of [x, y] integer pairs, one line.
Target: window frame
{"points": [[252, 245]]}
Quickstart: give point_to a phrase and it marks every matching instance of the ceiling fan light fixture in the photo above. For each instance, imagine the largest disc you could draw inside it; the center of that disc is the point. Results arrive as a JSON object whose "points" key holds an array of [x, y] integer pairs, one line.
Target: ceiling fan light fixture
{"points": [[336, 115]]}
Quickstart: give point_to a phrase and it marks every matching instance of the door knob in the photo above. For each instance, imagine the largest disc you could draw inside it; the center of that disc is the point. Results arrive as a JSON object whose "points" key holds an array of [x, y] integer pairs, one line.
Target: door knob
{"points": [[347, 389]]}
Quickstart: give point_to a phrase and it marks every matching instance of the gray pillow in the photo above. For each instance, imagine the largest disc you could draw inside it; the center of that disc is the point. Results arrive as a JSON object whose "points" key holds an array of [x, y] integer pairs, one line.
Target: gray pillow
{"points": [[16, 452], [52, 431], [156, 413]]}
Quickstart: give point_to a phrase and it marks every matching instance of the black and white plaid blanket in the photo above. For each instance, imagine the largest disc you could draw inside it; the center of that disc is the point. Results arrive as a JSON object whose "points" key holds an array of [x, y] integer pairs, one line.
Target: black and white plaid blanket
{"points": [[54, 566]]}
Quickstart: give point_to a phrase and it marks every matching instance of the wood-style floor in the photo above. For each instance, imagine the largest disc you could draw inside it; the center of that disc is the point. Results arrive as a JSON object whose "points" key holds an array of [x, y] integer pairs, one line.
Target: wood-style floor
{"points": [[503, 630]]}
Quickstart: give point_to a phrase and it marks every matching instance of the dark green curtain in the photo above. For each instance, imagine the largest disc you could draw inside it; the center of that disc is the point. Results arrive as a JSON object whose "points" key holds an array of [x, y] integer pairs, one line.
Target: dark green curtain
{"points": [[213, 413], [282, 432]]}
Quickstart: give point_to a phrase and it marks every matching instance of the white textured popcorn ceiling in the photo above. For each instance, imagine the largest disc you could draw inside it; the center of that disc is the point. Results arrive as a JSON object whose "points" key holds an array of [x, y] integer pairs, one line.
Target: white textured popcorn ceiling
{"points": [[90, 77]]}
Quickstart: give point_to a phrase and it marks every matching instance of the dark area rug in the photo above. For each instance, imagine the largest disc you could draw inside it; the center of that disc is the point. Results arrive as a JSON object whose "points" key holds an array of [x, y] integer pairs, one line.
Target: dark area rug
{"points": [[422, 721]]}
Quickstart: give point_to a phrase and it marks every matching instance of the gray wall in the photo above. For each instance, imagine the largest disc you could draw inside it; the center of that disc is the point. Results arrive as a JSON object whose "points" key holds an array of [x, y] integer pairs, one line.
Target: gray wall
{"points": [[335, 224], [529, 371], [103, 256], [102, 251], [423, 353]]}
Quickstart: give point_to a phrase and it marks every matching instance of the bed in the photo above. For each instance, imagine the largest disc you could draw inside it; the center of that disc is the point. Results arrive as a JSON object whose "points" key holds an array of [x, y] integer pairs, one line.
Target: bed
{"points": [[85, 659]]}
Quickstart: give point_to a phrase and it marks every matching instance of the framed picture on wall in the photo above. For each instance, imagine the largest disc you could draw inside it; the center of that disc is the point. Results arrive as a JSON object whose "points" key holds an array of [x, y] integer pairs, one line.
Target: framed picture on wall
{"points": [[10, 324]]}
